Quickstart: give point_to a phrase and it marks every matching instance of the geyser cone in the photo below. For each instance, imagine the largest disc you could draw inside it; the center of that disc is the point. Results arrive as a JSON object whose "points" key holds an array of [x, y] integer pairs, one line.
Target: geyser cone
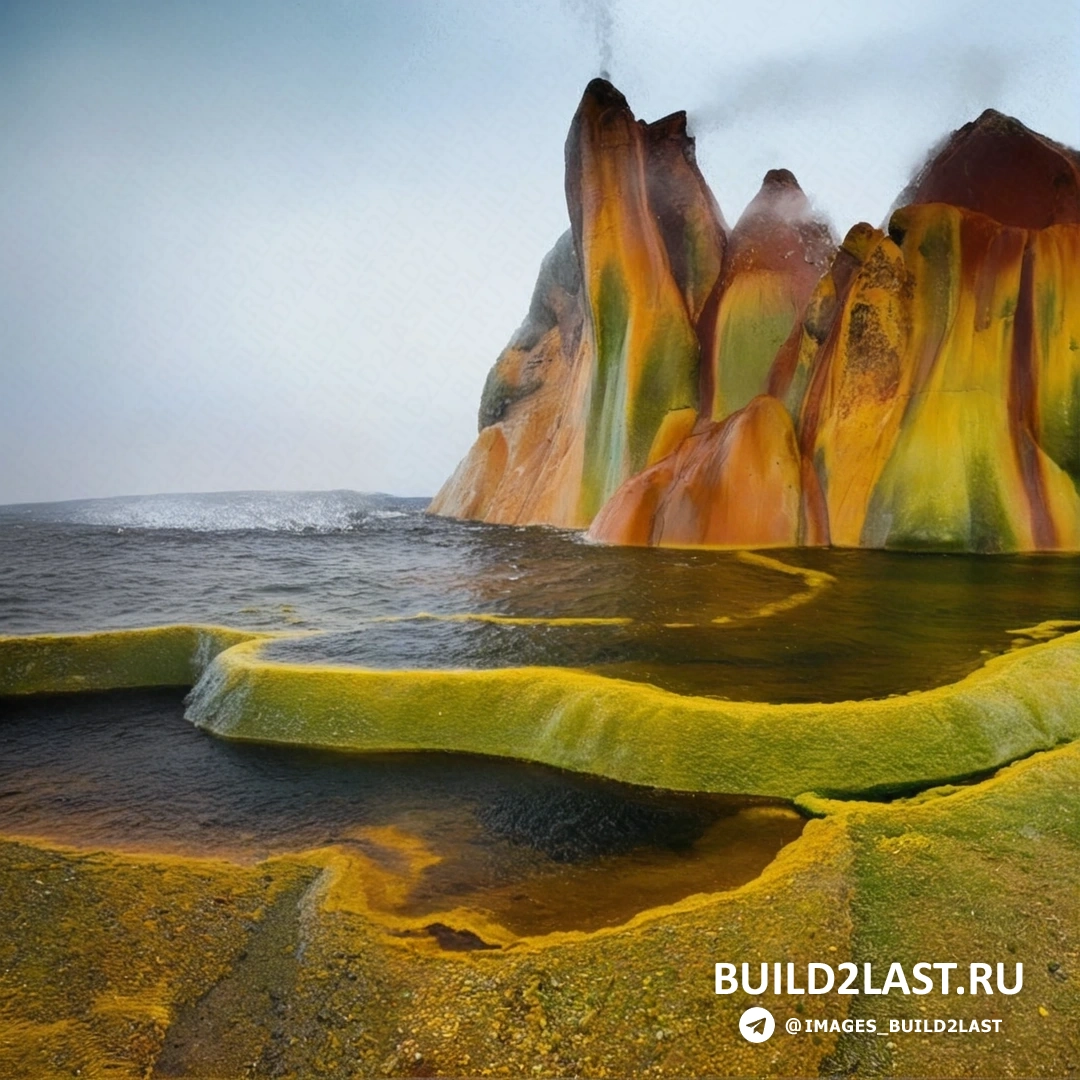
{"points": [[644, 359], [998, 167], [777, 251]]}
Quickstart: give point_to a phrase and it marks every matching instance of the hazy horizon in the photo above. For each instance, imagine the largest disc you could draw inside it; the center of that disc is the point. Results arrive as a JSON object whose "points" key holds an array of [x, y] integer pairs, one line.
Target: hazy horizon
{"points": [[271, 247], [147, 495]]}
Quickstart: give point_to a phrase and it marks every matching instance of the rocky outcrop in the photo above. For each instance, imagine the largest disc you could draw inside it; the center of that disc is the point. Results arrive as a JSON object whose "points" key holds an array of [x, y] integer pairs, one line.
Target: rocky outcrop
{"points": [[778, 250], [609, 350], [525, 466], [731, 483], [913, 388], [998, 167]]}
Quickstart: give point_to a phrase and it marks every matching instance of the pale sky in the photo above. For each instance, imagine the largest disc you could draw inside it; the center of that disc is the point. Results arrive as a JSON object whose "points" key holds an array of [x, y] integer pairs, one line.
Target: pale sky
{"points": [[264, 244]]}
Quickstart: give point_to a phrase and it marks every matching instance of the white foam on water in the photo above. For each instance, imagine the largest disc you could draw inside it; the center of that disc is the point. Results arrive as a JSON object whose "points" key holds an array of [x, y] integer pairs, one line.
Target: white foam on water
{"points": [[268, 511]]}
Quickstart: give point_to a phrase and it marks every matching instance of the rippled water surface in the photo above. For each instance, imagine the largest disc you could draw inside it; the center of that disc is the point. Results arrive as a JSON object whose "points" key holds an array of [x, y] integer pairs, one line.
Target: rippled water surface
{"points": [[699, 621]]}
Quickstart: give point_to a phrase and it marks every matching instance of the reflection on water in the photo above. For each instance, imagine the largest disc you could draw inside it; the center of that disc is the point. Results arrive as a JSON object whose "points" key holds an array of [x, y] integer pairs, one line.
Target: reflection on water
{"points": [[534, 848], [887, 624]]}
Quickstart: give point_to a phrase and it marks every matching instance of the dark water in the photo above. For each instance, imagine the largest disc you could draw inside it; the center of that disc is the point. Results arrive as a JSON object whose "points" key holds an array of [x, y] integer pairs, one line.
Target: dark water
{"points": [[535, 848], [889, 623]]}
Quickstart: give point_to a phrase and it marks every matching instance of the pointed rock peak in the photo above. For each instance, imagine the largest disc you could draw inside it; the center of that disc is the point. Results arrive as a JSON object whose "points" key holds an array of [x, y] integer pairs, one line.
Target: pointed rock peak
{"points": [[860, 238], [602, 125], [778, 197], [779, 224], [672, 126], [690, 221], [991, 118], [604, 95], [780, 178], [997, 166], [668, 135]]}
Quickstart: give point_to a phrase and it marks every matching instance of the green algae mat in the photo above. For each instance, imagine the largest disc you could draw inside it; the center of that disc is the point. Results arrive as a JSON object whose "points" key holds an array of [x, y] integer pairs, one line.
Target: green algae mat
{"points": [[1012, 706], [189, 967]]}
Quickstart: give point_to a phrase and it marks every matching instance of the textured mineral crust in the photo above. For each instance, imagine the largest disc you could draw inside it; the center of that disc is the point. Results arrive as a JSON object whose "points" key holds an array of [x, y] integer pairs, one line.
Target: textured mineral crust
{"points": [[125, 966], [675, 383]]}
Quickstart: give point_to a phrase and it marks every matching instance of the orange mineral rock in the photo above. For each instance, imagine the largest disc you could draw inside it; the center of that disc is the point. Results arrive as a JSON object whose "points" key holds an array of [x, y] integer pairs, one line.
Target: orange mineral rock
{"points": [[918, 388], [607, 361], [731, 484], [644, 359], [525, 466]]}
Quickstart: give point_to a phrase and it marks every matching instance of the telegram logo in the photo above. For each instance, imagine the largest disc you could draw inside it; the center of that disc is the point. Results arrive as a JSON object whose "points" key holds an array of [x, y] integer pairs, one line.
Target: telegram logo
{"points": [[757, 1024]]}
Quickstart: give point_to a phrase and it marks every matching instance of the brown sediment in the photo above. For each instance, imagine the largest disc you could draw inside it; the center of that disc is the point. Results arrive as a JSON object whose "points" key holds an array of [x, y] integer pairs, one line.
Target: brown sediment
{"points": [[456, 940]]}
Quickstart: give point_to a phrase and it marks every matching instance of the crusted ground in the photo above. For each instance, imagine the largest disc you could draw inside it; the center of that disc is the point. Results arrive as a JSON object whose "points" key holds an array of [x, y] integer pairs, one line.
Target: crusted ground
{"points": [[115, 965]]}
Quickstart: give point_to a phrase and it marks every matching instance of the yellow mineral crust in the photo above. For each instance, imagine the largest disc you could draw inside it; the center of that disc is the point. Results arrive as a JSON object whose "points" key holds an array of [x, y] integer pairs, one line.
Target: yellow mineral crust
{"points": [[574, 719], [633, 732], [965, 471], [860, 390], [1055, 278], [113, 659], [167, 963]]}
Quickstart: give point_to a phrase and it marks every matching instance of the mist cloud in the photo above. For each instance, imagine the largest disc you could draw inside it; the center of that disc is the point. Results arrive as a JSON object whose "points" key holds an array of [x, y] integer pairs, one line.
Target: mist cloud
{"points": [[809, 83]]}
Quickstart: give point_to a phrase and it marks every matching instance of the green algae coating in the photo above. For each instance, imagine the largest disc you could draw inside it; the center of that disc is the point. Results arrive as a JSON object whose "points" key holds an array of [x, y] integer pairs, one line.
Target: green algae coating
{"points": [[113, 963], [1016, 704], [668, 381], [604, 434], [747, 349], [637, 380], [989, 873], [111, 660]]}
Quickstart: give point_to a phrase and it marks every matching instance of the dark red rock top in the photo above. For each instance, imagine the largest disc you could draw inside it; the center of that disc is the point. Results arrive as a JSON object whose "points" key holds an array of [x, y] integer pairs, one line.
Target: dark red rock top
{"points": [[998, 167]]}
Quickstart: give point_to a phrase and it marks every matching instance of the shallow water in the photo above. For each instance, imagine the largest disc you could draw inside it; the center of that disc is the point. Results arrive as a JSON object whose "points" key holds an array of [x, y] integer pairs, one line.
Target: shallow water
{"points": [[533, 848], [693, 621]]}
